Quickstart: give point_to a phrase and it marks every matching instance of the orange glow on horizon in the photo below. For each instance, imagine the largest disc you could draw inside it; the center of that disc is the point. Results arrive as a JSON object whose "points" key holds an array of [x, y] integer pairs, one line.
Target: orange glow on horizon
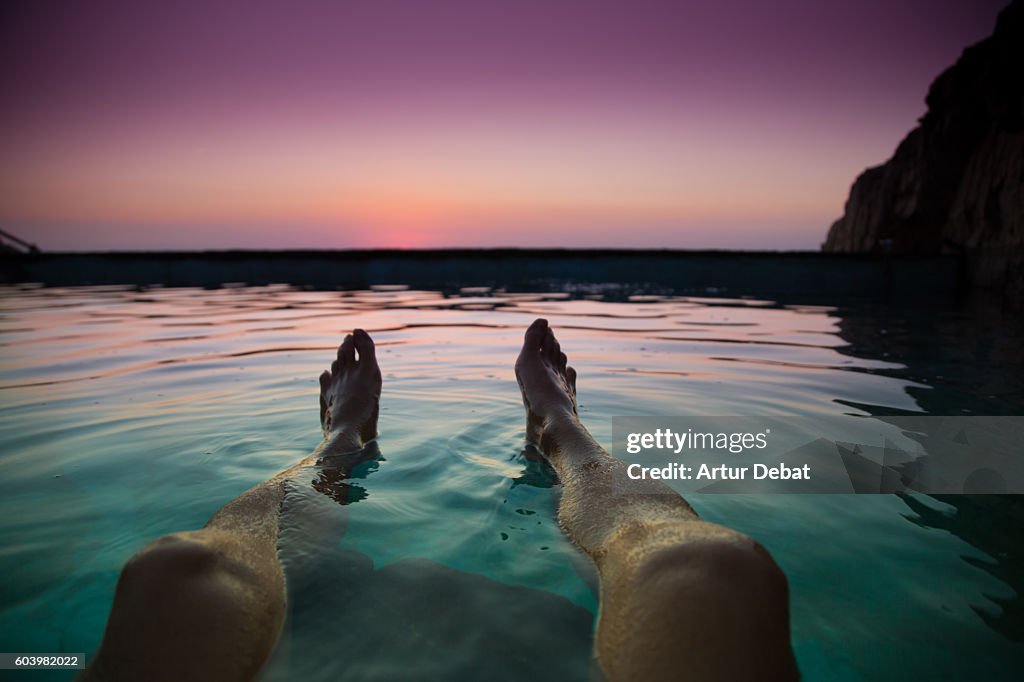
{"points": [[440, 182]]}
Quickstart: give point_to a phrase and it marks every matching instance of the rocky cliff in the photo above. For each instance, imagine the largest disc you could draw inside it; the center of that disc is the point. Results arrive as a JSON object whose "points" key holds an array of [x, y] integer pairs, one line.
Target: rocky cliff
{"points": [[956, 182]]}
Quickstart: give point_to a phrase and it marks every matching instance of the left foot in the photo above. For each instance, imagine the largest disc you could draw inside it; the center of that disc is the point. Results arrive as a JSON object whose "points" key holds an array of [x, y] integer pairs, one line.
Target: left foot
{"points": [[350, 393], [548, 384]]}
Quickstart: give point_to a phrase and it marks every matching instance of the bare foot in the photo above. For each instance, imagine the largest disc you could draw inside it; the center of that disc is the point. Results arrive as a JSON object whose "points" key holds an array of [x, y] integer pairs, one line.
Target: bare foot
{"points": [[350, 393], [547, 384]]}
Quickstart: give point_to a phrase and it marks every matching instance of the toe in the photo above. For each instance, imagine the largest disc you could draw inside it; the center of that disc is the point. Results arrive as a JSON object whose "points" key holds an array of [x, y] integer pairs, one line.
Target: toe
{"points": [[548, 342], [562, 361], [364, 344], [570, 375], [347, 351], [325, 383], [536, 333], [551, 347]]}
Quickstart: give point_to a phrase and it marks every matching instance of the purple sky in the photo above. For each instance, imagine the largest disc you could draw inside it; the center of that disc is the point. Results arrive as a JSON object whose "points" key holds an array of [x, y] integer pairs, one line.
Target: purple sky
{"points": [[648, 123]]}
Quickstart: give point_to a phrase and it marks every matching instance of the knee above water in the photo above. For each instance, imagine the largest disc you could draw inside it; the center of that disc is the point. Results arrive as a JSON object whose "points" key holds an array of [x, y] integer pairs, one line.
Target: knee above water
{"points": [[739, 569], [175, 553], [173, 561]]}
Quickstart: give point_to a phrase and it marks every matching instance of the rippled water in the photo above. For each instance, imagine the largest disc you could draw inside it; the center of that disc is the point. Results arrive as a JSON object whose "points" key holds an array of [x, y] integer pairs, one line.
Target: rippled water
{"points": [[128, 414]]}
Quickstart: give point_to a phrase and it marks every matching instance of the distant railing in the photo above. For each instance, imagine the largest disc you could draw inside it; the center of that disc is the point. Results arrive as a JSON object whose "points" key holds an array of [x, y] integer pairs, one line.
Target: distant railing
{"points": [[6, 237]]}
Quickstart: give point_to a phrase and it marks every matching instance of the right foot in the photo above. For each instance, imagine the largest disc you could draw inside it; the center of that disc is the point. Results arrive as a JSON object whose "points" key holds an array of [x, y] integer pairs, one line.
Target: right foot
{"points": [[547, 383], [350, 393]]}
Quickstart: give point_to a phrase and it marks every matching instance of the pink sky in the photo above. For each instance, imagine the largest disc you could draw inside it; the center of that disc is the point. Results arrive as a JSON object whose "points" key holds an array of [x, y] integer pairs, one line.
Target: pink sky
{"points": [[590, 123]]}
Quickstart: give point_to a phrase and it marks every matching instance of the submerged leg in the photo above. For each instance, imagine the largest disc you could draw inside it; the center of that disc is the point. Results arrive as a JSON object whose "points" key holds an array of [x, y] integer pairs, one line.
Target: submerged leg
{"points": [[209, 604], [680, 598]]}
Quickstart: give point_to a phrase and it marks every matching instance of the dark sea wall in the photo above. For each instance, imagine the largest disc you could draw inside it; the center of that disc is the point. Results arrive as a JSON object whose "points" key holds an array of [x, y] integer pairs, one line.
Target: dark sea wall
{"points": [[956, 183], [803, 276]]}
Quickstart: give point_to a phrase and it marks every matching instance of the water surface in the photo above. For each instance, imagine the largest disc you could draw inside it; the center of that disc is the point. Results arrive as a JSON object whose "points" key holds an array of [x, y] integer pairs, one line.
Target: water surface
{"points": [[126, 414]]}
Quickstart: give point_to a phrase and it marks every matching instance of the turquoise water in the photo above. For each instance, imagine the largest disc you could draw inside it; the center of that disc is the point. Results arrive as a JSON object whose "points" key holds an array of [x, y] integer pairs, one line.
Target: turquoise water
{"points": [[128, 414]]}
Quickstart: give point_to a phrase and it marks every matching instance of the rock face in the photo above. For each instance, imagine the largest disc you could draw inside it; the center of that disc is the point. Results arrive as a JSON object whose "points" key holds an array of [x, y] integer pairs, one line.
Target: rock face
{"points": [[956, 182]]}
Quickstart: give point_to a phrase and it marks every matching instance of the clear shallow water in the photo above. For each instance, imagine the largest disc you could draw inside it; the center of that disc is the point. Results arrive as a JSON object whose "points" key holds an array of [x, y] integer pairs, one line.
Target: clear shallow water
{"points": [[125, 415]]}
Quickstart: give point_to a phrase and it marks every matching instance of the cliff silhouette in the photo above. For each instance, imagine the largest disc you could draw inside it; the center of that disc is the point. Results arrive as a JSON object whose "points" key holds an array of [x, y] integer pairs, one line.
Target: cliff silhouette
{"points": [[956, 182]]}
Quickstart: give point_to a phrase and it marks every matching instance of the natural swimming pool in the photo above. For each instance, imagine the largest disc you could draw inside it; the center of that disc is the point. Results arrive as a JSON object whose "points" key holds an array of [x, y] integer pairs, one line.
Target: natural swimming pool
{"points": [[126, 414]]}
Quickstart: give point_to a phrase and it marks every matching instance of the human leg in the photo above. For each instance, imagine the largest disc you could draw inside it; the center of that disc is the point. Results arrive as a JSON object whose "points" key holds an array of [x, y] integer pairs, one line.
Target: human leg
{"points": [[209, 604], [679, 597]]}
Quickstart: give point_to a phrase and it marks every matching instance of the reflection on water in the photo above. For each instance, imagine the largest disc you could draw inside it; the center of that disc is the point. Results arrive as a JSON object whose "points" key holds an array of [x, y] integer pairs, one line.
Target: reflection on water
{"points": [[127, 414], [965, 364], [336, 475]]}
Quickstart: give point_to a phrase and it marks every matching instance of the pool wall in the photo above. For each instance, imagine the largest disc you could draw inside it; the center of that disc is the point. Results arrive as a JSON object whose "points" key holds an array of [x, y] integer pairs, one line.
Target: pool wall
{"points": [[699, 272]]}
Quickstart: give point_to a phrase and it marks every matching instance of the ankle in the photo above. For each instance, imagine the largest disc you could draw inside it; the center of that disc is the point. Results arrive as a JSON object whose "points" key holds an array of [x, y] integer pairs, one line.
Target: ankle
{"points": [[561, 419], [342, 440], [558, 429]]}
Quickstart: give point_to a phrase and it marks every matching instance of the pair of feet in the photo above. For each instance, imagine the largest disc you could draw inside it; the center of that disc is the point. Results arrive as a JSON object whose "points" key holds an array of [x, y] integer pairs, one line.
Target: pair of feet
{"points": [[350, 390]]}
